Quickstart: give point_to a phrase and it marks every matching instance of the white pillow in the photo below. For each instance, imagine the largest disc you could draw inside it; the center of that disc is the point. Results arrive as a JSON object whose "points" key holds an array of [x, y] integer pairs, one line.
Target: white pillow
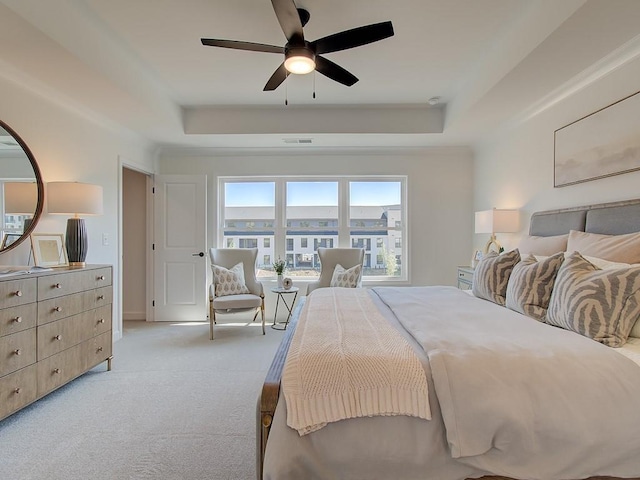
{"points": [[229, 281], [346, 278]]}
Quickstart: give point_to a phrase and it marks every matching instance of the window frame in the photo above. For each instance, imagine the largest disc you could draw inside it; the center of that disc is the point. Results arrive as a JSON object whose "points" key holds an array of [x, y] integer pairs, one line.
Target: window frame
{"points": [[278, 246]]}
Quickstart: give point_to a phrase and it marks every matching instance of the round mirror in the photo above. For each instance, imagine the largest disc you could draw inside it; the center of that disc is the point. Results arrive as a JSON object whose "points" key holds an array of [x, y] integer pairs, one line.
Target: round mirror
{"points": [[21, 189]]}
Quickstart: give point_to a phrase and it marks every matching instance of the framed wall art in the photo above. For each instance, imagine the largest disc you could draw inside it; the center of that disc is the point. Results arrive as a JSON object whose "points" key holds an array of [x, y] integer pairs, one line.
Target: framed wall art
{"points": [[602, 144], [48, 250]]}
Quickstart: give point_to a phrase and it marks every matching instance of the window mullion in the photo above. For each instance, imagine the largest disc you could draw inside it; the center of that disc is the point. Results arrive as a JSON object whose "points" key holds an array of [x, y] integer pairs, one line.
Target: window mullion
{"points": [[343, 214], [280, 225]]}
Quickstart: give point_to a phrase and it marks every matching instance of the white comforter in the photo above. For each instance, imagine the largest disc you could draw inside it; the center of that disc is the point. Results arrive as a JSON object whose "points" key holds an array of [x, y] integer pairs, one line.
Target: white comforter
{"points": [[513, 391], [509, 396]]}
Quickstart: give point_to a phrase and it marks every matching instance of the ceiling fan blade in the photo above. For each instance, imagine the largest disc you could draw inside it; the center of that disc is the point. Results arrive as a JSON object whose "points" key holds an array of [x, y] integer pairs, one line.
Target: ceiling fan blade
{"points": [[334, 71], [353, 38], [279, 76], [289, 20], [250, 46]]}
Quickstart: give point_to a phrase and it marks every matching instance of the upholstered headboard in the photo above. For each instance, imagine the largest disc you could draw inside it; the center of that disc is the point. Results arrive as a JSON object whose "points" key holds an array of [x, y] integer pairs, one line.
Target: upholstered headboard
{"points": [[605, 218]]}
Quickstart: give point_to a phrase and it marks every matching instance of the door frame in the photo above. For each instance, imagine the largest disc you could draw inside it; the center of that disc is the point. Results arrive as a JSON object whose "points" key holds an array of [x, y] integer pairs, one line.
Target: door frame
{"points": [[124, 162]]}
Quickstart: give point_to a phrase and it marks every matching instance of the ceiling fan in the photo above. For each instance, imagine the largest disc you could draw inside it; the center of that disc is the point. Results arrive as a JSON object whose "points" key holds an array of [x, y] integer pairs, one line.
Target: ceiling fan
{"points": [[302, 56]]}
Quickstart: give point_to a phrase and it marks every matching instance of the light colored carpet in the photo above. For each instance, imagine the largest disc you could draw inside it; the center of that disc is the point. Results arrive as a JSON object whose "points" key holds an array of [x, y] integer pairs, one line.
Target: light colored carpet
{"points": [[174, 406]]}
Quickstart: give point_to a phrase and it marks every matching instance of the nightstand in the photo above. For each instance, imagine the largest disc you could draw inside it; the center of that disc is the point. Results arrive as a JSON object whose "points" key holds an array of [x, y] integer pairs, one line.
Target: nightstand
{"points": [[465, 278]]}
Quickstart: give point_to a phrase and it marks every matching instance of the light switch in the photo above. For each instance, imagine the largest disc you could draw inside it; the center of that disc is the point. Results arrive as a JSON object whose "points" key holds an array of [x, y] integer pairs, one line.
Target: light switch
{"points": [[105, 239]]}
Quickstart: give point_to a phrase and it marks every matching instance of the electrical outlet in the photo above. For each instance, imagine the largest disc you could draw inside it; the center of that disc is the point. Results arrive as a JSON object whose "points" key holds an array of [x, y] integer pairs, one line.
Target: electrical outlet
{"points": [[105, 239]]}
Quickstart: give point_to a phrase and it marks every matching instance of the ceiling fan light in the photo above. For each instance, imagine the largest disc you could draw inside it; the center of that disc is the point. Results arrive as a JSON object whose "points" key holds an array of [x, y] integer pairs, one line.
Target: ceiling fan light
{"points": [[300, 61]]}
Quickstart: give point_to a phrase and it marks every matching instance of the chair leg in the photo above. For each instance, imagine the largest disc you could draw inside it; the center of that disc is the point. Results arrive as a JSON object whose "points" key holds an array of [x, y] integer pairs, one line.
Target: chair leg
{"points": [[212, 319], [262, 310]]}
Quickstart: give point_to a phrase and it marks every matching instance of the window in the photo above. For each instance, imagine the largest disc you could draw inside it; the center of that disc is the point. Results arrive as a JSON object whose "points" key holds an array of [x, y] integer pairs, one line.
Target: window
{"points": [[248, 243], [267, 260], [364, 212]]}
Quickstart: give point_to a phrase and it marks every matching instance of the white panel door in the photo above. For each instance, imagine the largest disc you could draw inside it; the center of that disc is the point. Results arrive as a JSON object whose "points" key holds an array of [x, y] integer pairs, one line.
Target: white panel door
{"points": [[180, 239]]}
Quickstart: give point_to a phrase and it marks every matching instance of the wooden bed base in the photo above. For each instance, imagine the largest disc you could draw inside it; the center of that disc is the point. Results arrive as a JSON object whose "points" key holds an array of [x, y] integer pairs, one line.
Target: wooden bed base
{"points": [[271, 390]]}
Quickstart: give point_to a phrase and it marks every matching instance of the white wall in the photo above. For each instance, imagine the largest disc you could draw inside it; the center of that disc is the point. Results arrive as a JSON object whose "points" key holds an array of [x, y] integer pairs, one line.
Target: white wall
{"points": [[515, 169], [70, 147], [439, 189]]}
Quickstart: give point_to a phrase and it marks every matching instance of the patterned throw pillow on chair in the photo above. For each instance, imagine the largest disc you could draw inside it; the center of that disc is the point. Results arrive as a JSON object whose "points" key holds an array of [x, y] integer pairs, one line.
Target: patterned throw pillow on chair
{"points": [[346, 278], [229, 281]]}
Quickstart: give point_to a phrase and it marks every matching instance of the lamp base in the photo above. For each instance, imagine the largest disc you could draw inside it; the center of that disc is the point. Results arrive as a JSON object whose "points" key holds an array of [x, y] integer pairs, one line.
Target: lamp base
{"points": [[76, 241], [78, 264], [492, 241]]}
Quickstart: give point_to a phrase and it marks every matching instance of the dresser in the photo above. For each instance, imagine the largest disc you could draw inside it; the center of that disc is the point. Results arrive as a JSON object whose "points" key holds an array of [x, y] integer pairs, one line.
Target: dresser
{"points": [[465, 278], [54, 326]]}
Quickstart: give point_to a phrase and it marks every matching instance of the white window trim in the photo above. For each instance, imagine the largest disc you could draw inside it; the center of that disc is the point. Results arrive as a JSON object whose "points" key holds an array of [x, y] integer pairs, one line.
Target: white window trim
{"points": [[344, 237]]}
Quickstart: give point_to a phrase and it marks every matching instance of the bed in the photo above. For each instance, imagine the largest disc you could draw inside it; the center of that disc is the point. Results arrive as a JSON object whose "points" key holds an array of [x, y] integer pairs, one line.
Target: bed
{"points": [[527, 401]]}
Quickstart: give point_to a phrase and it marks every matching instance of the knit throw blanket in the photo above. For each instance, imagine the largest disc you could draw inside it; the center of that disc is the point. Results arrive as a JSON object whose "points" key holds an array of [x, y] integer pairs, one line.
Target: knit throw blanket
{"points": [[347, 361]]}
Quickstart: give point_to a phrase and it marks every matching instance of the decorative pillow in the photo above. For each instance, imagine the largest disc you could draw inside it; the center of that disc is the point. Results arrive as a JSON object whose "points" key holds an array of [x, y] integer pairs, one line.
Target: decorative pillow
{"points": [[601, 304], [531, 283], [346, 278], [615, 248], [491, 276], [229, 281], [545, 246]]}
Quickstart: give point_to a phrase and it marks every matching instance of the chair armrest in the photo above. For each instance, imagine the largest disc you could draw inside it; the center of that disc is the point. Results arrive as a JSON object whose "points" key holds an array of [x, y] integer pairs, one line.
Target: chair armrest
{"points": [[312, 286]]}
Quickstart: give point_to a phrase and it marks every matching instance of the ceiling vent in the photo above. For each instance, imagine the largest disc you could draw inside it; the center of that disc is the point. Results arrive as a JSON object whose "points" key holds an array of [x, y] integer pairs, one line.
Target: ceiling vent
{"points": [[298, 141]]}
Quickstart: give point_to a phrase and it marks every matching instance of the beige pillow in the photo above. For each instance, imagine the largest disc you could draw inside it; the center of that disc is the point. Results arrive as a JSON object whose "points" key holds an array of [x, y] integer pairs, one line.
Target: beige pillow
{"points": [[601, 304], [531, 283], [229, 281], [491, 276], [346, 278], [615, 248], [543, 245]]}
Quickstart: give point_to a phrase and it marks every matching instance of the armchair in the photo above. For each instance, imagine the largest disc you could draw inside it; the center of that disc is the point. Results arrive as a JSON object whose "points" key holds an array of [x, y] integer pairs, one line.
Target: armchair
{"points": [[329, 258]]}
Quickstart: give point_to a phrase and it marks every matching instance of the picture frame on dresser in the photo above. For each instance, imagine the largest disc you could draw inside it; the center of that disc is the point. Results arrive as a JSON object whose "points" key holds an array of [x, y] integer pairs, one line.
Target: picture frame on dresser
{"points": [[8, 238], [48, 250]]}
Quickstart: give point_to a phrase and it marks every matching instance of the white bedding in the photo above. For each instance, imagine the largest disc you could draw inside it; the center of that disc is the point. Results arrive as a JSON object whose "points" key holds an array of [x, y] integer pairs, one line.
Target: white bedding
{"points": [[545, 431]]}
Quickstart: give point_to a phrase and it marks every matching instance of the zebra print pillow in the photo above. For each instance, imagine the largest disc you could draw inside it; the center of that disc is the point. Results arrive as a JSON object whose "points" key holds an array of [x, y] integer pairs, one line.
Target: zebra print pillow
{"points": [[491, 276], [531, 283], [599, 304]]}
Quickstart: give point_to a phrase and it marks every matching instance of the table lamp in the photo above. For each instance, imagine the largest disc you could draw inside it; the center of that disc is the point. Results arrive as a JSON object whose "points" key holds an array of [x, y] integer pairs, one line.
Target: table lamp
{"points": [[73, 198], [21, 198], [496, 221]]}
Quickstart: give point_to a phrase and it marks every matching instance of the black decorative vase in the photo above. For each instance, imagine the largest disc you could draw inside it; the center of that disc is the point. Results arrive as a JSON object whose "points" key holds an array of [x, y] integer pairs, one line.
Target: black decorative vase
{"points": [[76, 241]]}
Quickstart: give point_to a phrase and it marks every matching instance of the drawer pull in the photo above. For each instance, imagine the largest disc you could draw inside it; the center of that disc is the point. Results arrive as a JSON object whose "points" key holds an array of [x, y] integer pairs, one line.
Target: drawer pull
{"points": [[56, 371], [17, 351], [58, 337], [100, 297], [57, 309], [101, 277], [18, 320], [99, 350], [18, 293], [16, 390], [101, 320], [57, 285]]}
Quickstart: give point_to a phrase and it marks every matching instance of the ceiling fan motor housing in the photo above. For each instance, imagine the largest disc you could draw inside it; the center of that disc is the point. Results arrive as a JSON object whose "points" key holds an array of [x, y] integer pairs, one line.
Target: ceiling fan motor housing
{"points": [[299, 59]]}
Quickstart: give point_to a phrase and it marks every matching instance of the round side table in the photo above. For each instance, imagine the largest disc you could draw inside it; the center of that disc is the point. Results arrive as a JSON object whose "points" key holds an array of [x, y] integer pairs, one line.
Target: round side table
{"points": [[282, 292]]}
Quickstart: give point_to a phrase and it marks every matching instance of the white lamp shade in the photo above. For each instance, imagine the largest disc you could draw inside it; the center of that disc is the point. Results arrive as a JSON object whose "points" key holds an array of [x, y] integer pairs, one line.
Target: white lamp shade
{"points": [[20, 198], [497, 221], [73, 198]]}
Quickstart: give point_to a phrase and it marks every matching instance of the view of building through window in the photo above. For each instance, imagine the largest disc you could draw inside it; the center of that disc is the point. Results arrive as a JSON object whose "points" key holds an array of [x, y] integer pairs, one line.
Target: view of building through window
{"points": [[360, 213]]}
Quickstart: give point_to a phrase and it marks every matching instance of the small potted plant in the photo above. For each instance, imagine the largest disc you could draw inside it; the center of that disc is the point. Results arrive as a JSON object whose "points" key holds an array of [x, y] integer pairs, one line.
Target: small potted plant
{"points": [[279, 266]]}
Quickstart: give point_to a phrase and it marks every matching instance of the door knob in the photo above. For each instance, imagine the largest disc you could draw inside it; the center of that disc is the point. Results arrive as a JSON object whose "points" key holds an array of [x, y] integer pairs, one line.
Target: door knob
{"points": [[201, 254]]}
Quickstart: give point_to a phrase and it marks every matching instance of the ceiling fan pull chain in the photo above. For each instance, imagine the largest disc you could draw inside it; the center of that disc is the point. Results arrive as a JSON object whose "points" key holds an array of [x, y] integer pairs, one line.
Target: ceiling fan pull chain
{"points": [[286, 90], [314, 84]]}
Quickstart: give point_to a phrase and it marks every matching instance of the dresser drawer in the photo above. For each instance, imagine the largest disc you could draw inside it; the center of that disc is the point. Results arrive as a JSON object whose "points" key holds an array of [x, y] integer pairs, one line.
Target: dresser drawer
{"points": [[59, 369], [97, 350], [17, 351], [17, 319], [52, 286], [465, 274], [18, 390], [17, 292], [102, 320], [61, 307]]}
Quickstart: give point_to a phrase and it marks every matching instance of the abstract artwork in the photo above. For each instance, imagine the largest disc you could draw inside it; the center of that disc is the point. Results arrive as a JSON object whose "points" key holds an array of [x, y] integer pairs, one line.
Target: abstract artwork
{"points": [[602, 144]]}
